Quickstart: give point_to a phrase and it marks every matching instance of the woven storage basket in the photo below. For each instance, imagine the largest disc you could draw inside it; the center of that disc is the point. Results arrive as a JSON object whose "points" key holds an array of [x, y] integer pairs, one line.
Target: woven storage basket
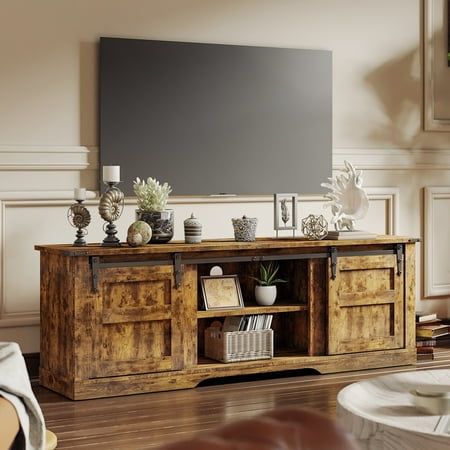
{"points": [[233, 346]]}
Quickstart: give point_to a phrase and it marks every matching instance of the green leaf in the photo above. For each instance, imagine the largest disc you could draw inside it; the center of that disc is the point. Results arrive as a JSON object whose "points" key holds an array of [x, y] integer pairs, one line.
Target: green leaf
{"points": [[268, 273], [279, 280], [273, 274], [263, 272]]}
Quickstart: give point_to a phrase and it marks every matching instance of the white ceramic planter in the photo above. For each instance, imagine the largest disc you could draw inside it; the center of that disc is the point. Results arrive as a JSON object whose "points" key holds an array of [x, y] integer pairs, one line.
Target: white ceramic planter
{"points": [[265, 295]]}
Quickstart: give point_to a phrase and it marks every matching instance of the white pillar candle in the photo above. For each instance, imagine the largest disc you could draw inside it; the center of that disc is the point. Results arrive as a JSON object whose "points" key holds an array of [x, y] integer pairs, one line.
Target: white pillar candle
{"points": [[79, 193], [111, 173]]}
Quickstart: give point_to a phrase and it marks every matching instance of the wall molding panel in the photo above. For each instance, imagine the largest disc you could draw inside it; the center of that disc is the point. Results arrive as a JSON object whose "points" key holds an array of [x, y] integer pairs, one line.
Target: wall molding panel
{"points": [[51, 158], [48, 158], [81, 158], [391, 197], [436, 241], [24, 158], [393, 159], [433, 32]]}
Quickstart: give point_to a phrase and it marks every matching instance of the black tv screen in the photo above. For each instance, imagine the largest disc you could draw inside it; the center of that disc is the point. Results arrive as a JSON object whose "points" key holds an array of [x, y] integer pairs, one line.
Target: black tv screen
{"points": [[213, 118]]}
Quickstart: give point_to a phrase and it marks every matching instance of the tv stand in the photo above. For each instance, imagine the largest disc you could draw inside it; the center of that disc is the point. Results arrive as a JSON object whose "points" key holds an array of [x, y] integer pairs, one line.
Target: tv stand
{"points": [[124, 320]]}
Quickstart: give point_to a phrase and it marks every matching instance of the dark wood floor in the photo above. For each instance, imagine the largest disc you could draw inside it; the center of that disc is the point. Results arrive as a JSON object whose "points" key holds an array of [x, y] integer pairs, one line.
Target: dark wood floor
{"points": [[148, 420]]}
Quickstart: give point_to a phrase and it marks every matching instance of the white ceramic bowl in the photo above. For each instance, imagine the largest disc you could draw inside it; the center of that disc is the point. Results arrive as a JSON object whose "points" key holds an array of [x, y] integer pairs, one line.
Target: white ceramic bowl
{"points": [[432, 399]]}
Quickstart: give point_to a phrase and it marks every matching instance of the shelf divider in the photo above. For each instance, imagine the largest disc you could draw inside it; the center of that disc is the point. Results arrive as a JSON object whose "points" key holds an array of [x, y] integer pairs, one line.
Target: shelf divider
{"points": [[253, 309]]}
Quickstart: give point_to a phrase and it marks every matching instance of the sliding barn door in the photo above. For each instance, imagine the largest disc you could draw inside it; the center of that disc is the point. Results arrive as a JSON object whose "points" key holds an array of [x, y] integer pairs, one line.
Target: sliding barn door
{"points": [[366, 305], [138, 322]]}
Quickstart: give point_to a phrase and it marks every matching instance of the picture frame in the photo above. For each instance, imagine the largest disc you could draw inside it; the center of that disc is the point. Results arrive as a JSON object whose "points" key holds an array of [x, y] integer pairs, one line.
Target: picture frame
{"points": [[285, 218], [221, 292]]}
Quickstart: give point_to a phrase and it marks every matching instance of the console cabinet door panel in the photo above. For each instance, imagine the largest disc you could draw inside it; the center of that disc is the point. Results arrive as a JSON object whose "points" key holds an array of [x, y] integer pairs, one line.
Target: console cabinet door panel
{"points": [[137, 322], [366, 305]]}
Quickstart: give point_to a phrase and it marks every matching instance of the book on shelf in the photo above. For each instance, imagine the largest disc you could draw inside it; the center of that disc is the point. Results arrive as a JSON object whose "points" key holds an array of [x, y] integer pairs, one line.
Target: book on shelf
{"points": [[232, 323], [425, 317], [354, 234], [252, 322], [432, 331]]}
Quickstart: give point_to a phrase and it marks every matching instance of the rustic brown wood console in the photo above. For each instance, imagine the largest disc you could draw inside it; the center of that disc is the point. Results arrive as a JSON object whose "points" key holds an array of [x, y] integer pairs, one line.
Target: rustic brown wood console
{"points": [[126, 320]]}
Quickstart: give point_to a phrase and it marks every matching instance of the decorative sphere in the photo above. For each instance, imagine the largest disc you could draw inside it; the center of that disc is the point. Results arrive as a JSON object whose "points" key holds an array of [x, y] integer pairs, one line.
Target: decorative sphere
{"points": [[314, 227], [139, 233]]}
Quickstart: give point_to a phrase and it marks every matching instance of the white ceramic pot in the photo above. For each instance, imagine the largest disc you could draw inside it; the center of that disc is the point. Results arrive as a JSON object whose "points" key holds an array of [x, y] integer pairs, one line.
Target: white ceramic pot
{"points": [[265, 295]]}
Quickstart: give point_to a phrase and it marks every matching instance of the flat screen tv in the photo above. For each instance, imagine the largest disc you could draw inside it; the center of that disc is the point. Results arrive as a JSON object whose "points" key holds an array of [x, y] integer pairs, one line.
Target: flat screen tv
{"points": [[213, 119]]}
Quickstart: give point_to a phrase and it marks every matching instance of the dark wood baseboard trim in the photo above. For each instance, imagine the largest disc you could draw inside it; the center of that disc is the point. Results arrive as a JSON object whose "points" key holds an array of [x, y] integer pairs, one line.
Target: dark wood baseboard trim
{"points": [[32, 363]]}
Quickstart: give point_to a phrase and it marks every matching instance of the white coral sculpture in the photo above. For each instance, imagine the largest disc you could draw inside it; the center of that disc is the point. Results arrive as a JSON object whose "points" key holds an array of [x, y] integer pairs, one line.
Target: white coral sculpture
{"points": [[347, 199], [151, 195]]}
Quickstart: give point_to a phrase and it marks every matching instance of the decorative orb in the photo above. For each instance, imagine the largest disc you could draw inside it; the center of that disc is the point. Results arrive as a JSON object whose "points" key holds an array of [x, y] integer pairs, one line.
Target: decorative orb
{"points": [[139, 233], [314, 227]]}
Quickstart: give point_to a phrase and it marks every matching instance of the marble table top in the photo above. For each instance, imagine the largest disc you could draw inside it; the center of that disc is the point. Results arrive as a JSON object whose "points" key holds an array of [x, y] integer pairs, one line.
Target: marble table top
{"points": [[381, 412]]}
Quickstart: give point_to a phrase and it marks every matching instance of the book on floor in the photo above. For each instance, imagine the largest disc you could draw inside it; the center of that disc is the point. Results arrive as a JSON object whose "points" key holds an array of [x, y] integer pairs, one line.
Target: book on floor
{"points": [[432, 330], [425, 342], [443, 341], [422, 350], [425, 356], [425, 317]]}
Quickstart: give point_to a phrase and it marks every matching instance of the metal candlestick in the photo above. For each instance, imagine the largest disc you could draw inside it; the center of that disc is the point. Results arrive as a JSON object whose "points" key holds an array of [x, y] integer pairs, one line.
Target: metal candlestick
{"points": [[79, 217], [110, 209]]}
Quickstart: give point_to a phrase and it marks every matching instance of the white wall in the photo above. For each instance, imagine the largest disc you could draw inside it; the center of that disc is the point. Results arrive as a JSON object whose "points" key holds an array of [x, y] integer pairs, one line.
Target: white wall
{"points": [[48, 126]]}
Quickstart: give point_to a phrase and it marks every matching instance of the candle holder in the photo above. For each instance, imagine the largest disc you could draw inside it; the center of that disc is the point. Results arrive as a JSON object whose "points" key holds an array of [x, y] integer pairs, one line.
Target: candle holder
{"points": [[79, 217], [110, 209]]}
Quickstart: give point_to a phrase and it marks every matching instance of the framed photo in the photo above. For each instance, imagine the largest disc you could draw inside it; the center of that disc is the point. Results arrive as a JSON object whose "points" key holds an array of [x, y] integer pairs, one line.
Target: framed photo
{"points": [[221, 292], [285, 212]]}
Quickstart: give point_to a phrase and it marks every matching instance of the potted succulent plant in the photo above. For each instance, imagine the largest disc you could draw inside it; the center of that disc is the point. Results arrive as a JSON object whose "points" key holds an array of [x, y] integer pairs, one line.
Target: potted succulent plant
{"points": [[266, 290], [152, 197]]}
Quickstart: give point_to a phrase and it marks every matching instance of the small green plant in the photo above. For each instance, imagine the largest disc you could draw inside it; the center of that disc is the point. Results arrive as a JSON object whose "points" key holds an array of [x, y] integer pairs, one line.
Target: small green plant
{"points": [[151, 195], [267, 275]]}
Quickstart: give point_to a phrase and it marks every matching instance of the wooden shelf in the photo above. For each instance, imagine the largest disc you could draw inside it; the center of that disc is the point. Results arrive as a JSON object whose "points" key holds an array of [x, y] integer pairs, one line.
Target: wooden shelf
{"points": [[279, 308], [203, 361]]}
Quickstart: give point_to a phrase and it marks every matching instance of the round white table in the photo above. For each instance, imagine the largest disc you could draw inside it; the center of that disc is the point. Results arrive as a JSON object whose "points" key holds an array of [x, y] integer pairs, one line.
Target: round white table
{"points": [[381, 415]]}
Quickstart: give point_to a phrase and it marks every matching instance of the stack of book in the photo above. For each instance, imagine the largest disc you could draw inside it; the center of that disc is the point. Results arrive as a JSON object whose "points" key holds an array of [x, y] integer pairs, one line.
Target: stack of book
{"points": [[428, 329], [252, 322], [425, 348]]}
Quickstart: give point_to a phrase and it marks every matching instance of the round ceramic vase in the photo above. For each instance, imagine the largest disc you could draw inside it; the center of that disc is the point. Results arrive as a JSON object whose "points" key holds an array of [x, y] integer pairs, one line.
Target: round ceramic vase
{"points": [[265, 295]]}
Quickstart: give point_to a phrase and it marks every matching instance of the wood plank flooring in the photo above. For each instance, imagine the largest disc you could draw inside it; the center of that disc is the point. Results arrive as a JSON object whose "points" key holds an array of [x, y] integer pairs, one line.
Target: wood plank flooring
{"points": [[147, 420]]}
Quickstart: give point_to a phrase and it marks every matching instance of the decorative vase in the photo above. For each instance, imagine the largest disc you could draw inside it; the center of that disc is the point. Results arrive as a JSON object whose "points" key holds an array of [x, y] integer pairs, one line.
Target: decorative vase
{"points": [[244, 228], [192, 230], [265, 295], [161, 223]]}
